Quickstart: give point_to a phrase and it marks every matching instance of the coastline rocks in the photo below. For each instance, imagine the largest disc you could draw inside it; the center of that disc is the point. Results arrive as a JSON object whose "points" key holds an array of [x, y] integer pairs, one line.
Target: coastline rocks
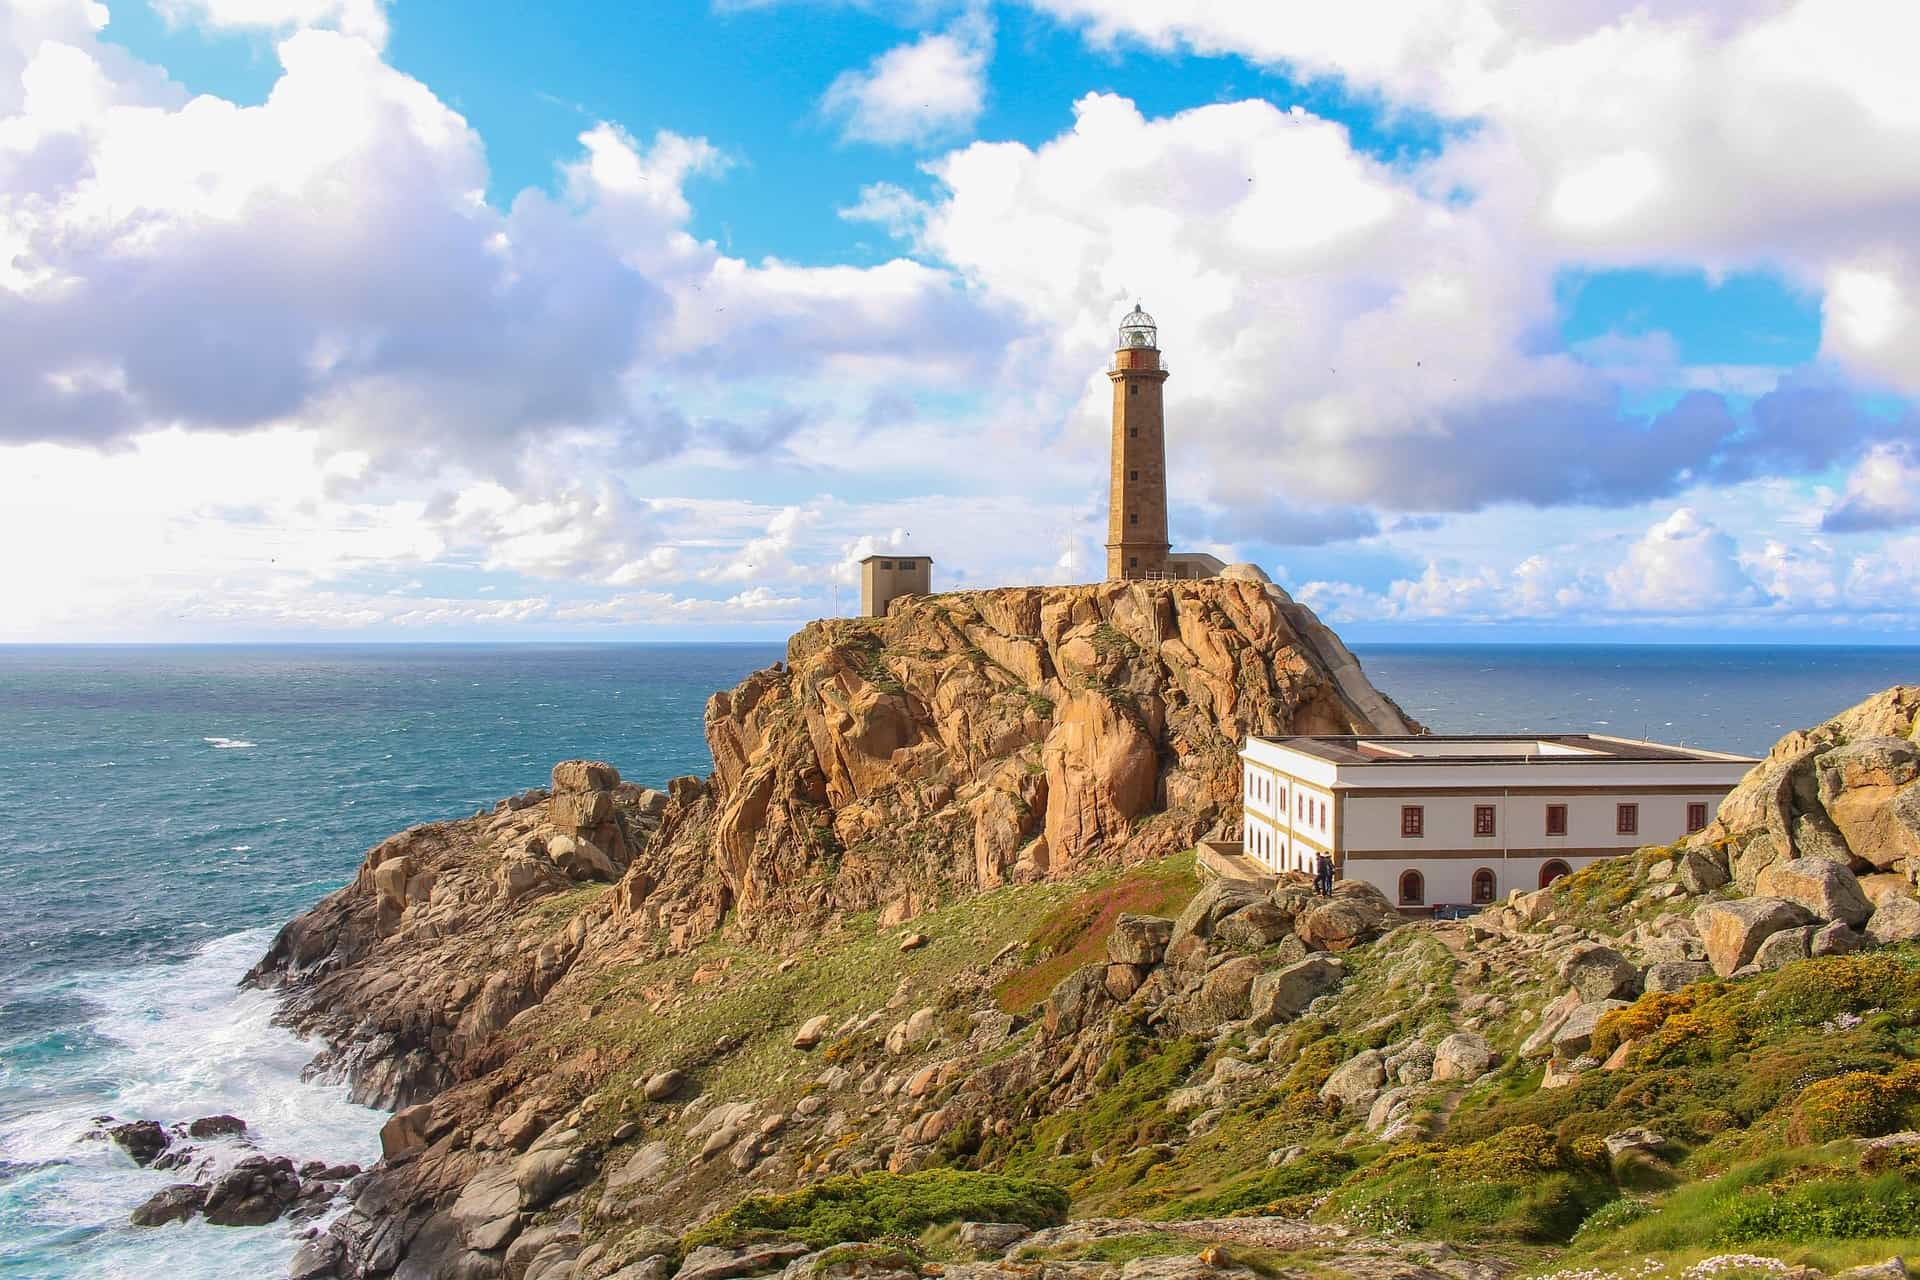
{"points": [[176, 1203], [553, 1164], [252, 1193], [142, 1139], [487, 1212], [221, 1126], [1733, 931]]}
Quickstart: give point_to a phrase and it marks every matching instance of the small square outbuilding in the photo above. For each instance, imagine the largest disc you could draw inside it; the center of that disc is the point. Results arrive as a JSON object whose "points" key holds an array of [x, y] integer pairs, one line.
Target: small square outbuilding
{"points": [[885, 578]]}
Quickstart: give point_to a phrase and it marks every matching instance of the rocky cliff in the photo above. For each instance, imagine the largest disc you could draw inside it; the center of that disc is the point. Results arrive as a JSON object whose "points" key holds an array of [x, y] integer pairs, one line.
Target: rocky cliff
{"points": [[968, 740], [812, 1000]]}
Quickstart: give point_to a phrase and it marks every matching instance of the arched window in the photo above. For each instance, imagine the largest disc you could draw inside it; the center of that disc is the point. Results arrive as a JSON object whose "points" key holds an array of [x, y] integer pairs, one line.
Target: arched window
{"points": [[1553, 871], [1483, 886], [1413, 889]]}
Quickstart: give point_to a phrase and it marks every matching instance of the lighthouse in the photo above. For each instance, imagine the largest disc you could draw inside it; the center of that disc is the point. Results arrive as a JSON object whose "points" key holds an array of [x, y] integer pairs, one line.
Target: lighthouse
{"points": [[1137, 494]]}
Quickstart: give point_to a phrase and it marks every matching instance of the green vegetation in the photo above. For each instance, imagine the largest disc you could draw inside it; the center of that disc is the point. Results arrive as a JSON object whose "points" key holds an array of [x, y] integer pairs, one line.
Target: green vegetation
{"points": [[887, 1204], [1075, 932], [1519, 1184]]}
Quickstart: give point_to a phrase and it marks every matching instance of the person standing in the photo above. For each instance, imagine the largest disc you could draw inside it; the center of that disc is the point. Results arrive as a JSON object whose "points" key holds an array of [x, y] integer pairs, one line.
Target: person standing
{"points": [[1323, 874]]}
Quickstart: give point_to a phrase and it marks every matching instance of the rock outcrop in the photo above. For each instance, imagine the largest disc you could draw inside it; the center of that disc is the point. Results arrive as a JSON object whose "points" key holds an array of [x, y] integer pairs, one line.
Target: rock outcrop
{"points": [[1030, 730]]}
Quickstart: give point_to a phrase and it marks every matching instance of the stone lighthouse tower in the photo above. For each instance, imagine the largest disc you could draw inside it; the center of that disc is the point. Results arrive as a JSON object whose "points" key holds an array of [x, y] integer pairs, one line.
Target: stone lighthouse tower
{"points": [[1137, 504]]}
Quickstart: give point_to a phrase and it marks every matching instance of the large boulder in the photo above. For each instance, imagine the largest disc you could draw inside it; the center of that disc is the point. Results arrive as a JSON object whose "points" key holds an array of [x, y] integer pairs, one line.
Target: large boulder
{"points": [[1783, 948], [1732, 931], [1701, 870], [1260, 925], [487, 1211], [1895, 920], [1599, 973], [1859, 783], [1139, 940], [176, 1203], [1825, 888], [1216, 900], [1076, 1000], [142, 1139], [253, 1192], [1356, 913], [1575, 1034], [1284, 994], [555, 1163], [1227, 993], [1357, 1081], [1671, 975], [1461, 1056]]}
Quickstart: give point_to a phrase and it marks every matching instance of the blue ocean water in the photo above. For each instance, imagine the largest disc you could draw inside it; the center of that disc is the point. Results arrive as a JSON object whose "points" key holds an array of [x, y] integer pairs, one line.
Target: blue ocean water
{"points": [[166, 808]]}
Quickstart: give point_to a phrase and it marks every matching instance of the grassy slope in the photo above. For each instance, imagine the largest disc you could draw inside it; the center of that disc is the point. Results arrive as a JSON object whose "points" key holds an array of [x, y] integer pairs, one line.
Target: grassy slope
{"points": [[1758, 1086]]}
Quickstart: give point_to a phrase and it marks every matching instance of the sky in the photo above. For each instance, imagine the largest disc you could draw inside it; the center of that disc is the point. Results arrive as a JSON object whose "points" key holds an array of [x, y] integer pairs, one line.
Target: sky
{"points": [[1487, 320]]}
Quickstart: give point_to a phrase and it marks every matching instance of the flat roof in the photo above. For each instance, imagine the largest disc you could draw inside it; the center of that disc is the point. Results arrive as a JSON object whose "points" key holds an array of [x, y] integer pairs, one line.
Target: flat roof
{"points": [[877, 556], [1495, 748]]}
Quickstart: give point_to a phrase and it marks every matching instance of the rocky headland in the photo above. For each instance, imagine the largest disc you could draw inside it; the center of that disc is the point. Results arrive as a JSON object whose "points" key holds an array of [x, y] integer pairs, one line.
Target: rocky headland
{"points": [[924, 980]]}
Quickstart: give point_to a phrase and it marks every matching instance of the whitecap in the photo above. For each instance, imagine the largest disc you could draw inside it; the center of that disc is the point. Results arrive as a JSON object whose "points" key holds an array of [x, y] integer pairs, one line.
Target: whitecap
{"points": [[183, 1040], [228, 744]]}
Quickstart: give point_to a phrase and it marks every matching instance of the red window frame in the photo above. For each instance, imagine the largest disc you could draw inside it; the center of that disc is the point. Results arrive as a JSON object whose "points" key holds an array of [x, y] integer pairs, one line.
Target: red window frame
{"points": [[1696, 817], [1484, 821], [1556, 819], [1626, 820], [1413, 821]]}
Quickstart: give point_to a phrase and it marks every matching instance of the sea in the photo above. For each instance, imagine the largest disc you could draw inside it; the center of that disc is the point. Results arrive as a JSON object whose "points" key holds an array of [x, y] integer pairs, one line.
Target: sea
{"points": [[164, 809]]}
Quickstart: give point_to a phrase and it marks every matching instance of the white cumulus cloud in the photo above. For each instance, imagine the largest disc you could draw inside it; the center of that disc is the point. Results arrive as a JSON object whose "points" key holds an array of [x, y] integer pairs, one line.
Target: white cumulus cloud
{"points": [[931, 89]]}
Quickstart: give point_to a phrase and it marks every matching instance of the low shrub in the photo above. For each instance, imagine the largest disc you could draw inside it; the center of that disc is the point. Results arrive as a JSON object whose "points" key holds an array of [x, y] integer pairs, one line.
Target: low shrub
{"points": [[1826, 1208], [1858, 1104], [1520, 1183], [873, 1205]]}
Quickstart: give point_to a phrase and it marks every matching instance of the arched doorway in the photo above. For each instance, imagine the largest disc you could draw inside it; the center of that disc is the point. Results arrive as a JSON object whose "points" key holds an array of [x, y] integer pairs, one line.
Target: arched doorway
{"points": [[1484, 886], [1553, 871], [1413, 889]]}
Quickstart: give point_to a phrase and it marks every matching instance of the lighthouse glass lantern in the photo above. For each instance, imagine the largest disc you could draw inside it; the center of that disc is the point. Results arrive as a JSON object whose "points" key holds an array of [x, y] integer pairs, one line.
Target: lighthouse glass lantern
{"points": [[1137, 329]]}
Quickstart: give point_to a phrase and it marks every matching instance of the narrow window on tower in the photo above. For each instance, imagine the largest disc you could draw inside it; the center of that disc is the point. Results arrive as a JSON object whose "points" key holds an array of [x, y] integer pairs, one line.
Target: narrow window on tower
{"points": [[1133, 475], [1133, 432], [1133, 388], [1133, 517]]}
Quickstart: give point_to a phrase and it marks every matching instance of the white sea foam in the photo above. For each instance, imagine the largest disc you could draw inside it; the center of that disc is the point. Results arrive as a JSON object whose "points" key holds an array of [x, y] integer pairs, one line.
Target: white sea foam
{"points": [[185, 1042], [228, 744]]}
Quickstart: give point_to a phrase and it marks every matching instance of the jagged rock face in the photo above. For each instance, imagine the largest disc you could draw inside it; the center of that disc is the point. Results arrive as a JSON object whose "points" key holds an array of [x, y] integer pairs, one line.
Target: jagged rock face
{"points": [[1847, 791], [966, 740]]}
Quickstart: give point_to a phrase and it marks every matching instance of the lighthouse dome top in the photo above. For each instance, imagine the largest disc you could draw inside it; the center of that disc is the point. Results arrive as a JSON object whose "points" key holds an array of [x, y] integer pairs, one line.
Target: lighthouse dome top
{"points": [[1137, 329]]}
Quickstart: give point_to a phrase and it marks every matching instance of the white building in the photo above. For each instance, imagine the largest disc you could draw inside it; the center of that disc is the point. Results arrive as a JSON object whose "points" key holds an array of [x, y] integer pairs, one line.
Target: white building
{"points": [[1452, 820]]}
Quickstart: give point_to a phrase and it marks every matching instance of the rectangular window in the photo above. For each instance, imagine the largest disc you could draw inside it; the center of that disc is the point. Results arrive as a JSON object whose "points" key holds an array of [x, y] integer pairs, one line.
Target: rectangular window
{"points": [[1413, 821], [1556, 819], [1626, 820], [1133, 475], [1696, 817], [1133, 517], [886, 564], [1133, 432], [1133, 388], [1483, 819]]}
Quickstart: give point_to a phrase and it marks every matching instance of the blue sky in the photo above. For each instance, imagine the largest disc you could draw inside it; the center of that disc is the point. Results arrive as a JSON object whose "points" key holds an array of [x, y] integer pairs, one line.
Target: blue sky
{"points": [[342, 319]]}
